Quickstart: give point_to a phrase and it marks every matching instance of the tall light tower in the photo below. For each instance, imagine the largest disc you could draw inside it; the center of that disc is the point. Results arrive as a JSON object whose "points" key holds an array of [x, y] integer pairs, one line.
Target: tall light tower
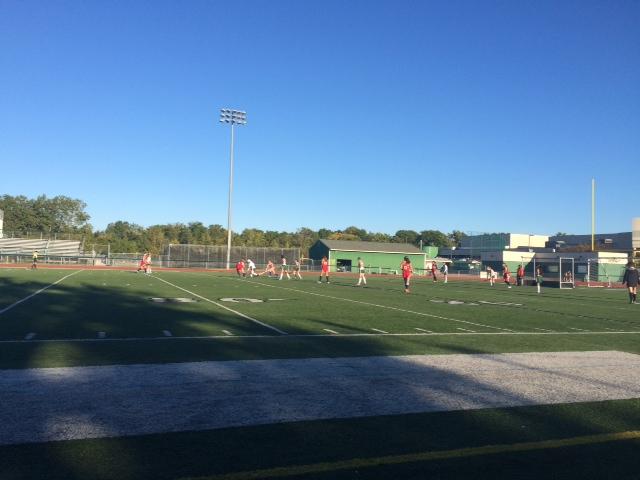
{"points": [[232, 117]]}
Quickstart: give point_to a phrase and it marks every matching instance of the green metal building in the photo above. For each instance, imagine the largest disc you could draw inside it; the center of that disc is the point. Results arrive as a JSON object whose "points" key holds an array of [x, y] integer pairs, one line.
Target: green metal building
{"points": [[378, 257]]}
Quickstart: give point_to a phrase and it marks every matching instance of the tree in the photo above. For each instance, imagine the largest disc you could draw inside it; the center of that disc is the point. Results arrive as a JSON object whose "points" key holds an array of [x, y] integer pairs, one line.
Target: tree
{"points": [[60, 214], [406, 236], [434, 238], [456, 238]]}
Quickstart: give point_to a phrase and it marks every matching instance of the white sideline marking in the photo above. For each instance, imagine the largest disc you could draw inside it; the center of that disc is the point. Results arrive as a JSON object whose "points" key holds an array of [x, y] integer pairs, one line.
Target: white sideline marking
{"points": [[543, 329], [319, 335], [166, 333], [224, 307], [382, 306], [331, 331], [423, 330], [102, 334], [379, 331], [227, 332], [29, 336], [6, 309], [578, 329], [465, 330]]}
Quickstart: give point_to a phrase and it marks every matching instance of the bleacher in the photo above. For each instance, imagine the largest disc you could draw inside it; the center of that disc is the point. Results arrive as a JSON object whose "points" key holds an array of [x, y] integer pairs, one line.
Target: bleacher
{"points": [[45, 247]]}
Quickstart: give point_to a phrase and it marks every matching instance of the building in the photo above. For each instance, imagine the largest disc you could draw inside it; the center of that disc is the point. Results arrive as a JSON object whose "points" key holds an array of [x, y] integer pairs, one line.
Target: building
{"points": [[473, 246], [612, 242], [377, 256]]}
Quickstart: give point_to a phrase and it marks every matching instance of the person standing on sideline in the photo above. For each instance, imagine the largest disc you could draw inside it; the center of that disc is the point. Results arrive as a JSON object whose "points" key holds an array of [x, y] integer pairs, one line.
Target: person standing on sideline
{"points": [[434, 271], [361, 277], [445, 272], [407, 273], [631, 278], [34, 260], [284, 269], [324, 269], [520, 276], [506, 275], [538, 277], [491, 273], [296, 269]]}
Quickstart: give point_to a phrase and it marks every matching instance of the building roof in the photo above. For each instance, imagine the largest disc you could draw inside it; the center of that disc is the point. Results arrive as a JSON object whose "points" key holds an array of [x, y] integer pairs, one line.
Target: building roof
{"points": [[358, 246]]}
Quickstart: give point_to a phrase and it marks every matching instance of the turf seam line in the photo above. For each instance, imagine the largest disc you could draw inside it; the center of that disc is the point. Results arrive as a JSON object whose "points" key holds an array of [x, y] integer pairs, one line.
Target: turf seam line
{"points": [[355, 463], [247, 317], [6, 309]]}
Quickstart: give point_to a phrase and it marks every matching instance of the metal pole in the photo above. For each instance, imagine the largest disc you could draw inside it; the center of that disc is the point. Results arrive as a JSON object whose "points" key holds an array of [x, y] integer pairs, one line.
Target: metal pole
{"points": [[229, 206], [593, 214]]}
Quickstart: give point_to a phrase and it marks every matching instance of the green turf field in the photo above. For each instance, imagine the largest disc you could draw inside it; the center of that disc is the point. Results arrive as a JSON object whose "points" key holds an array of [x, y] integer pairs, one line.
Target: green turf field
{"points": [[58, 318]]}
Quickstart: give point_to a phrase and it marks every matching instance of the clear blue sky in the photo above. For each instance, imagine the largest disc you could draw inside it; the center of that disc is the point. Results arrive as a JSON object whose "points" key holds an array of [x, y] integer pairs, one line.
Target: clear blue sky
{"points": [[471, 115]]}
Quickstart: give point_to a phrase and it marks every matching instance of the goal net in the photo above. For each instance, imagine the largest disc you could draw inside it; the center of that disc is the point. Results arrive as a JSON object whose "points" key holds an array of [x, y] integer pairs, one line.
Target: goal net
{"points": [[566, 269]]}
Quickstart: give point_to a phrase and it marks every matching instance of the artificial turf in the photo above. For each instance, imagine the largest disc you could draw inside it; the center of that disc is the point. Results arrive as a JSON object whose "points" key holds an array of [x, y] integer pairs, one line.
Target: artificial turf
{"points": [[320, 321]]}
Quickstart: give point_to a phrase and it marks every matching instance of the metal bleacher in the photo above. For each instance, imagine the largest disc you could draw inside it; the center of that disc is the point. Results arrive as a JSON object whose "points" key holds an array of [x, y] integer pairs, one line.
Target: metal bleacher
{"points": [[45, 247]]}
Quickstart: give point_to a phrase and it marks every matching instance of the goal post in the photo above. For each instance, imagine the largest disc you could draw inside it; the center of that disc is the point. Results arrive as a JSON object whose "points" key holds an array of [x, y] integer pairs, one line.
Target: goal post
{"points": [[566, 270]]}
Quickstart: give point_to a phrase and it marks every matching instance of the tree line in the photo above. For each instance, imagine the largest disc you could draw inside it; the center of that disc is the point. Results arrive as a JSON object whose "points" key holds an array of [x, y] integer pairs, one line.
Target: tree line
{"points": [[62, 216]]}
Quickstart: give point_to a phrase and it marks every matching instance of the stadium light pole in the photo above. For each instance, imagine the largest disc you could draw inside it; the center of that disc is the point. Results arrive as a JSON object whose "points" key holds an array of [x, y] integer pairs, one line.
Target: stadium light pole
{"points": [[233, 118]]}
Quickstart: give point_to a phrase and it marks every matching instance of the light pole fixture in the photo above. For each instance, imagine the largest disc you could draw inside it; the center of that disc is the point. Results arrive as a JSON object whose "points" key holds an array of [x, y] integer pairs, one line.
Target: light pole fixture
{"points": [[232, 117]]}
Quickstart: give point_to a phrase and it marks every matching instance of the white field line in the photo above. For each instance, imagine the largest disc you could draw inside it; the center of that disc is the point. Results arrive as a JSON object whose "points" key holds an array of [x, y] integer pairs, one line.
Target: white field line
{"points": [[6, 309], [319, 335], [578, 329], [465, 330], [423, 330], [227, 332], [29, 336], [383, 306], [333, 332], [224, 307], [378, 330], [543, 329], [167, 333]]}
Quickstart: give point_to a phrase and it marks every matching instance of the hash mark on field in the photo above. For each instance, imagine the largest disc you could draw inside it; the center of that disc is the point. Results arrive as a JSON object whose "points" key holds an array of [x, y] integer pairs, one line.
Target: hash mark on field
{"points": [[167, 333], [378, 330], [102, 334], [578, 329], [423, 330], [331, 331], [227, 332], [465, 330], [29, 336], [543, 329]]}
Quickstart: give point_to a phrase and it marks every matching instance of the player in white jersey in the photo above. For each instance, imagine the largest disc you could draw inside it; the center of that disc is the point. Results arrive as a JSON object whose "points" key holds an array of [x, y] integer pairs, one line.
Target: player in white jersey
{"points": [[251, 267], [361, 278], [284, 269], [296, 270]]}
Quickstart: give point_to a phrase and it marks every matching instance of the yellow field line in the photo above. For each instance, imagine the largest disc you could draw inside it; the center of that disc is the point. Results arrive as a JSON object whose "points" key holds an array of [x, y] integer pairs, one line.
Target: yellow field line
{"points": [[355, 463]]}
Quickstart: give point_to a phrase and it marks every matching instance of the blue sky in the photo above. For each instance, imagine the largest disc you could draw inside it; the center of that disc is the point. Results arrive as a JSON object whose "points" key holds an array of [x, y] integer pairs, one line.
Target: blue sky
{"points": [[387, 115]]}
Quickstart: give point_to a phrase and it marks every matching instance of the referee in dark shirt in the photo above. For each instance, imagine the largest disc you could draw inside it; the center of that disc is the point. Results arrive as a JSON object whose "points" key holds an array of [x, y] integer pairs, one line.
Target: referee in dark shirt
{"points": [[631, 278]]}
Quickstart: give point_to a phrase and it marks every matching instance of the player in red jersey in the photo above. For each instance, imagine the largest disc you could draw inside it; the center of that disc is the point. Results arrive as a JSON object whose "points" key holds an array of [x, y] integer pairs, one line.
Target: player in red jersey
{"points": [[240, 268], [324, 269], [407, 273], [434, 271], [506, 275]]}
